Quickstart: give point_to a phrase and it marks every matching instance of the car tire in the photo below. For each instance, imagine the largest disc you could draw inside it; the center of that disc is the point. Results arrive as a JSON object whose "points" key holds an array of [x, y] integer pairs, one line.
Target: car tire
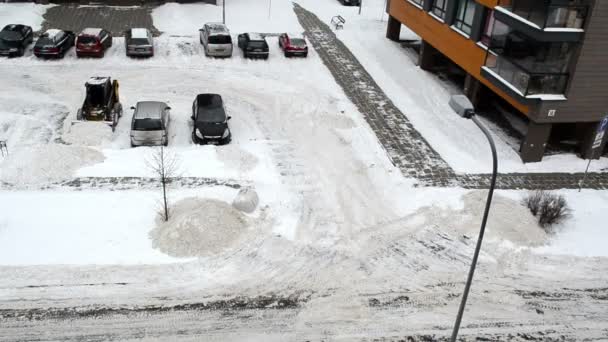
{"points": [[195, 139], [21, 52], [166, 142], [244, 54], [286, 54], [306, 55]]}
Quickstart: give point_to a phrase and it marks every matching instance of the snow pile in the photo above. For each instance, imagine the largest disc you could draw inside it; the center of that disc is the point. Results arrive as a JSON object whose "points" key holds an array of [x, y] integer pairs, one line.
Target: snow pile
{"points": [[198, 227], [508, 219], [26, 14], [246, 200], [88, 134], [46, 163]]}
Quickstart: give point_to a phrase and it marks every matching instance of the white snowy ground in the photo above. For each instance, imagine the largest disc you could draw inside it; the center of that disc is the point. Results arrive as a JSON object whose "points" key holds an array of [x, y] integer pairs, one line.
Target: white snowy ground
{"points": [[424, 98], [335, 217]]}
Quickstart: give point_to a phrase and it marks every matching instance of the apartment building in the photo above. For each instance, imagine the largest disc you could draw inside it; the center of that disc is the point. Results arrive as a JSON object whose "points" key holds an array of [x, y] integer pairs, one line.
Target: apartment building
{"points": [[547, 58]]}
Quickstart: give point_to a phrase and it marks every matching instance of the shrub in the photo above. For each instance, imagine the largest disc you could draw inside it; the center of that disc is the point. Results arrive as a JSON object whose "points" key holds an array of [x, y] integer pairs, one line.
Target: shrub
{"points": [[549, 208]]}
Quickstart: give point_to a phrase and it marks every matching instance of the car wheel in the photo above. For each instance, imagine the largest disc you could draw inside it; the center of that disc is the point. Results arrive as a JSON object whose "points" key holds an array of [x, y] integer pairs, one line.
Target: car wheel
{"points": [[61, 54], [244, 54], [166, 142], [286, 54], [21, 52], [195, 139], [305, 54]]}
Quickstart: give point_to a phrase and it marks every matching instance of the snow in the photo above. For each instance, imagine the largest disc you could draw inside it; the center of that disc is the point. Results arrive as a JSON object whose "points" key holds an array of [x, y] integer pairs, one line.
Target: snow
{"points": [[423, 98], [23, 13], [139, 33], [187, 19], [91, 31], [336, 223], [51, 33]]}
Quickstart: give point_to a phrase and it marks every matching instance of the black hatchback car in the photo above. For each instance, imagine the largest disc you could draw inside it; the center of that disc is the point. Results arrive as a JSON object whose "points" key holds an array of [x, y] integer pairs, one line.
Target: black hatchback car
{"points": [[54, 43], [253, 45], [210, 120], [14, 39]]}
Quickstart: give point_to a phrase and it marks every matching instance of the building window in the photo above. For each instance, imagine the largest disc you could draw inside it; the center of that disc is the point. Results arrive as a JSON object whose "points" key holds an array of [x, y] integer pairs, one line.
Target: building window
{"points": [[439, 7], [465, 15], [417, 2], [488, 27]]}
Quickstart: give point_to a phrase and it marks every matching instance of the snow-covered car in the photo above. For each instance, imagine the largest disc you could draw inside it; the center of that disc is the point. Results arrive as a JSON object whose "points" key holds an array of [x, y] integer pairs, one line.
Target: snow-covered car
{"points": [[93, 42], [216, 40], [293, 46], [253, 45], [150, 123], [139, 43], [54, 43], [14, 39], [210, 121]]}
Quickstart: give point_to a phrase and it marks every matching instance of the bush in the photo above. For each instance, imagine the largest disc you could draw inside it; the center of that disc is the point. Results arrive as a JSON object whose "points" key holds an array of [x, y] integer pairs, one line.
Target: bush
{"points": [[549, 208]]}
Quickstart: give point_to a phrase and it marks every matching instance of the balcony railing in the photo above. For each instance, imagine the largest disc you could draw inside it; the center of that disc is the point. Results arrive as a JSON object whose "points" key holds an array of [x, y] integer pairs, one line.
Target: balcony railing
{"points": [[527, 83], [549, 14]]}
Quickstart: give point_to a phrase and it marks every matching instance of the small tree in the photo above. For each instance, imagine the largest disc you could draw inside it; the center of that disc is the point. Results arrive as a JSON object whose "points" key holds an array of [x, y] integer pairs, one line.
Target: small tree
{"points": [[165, 166]]}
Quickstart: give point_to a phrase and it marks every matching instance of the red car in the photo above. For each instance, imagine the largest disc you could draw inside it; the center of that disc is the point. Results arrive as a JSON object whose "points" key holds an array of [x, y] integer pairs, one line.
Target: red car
{"points": [[93, 42], [293, 46]]}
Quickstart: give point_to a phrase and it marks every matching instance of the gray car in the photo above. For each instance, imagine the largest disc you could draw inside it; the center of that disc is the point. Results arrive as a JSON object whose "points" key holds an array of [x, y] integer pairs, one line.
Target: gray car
{"points": [[139, 43], [150, 124], [216, 40]]}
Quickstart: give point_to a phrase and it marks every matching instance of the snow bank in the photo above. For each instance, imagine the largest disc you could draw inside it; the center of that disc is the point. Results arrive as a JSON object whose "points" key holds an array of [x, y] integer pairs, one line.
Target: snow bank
{"points": [[508, 219], [26, 13], [198, 227], [88, 134], [46, 163]]}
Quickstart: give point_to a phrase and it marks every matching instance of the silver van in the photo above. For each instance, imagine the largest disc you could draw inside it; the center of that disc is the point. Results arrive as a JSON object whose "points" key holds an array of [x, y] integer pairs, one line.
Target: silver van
{"points": [[150, 124], [139, 42], [216, 40]]}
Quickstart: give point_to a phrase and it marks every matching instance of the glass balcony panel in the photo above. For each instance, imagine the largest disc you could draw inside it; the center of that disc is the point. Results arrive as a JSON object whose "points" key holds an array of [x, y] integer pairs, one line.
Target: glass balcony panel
{"points": [[549, 14]]}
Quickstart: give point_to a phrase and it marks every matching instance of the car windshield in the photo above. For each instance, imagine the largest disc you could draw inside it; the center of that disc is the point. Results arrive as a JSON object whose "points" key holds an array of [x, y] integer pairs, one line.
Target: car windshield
{"points": [[9, 36], [298, 42], [139, 41], [223, 39], [147, 124], [87, 40]]}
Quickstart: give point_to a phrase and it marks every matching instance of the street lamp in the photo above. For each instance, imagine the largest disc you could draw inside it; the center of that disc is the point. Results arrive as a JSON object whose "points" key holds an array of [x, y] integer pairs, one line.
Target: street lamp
{"points": [[461, 105]]}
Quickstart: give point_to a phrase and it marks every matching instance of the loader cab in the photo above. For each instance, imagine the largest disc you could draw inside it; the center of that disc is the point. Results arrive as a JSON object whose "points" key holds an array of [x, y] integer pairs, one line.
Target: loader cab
{"points": [[149, 124]]}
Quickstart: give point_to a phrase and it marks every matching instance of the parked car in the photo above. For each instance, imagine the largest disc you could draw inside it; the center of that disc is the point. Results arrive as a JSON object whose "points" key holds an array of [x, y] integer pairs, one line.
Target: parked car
{"points": [[54, 43], [216, 40], [293, 46], [210, 120], [93, 42], [150, 123], [14, 39], [253, 45], [351, 2], [139, 43]]}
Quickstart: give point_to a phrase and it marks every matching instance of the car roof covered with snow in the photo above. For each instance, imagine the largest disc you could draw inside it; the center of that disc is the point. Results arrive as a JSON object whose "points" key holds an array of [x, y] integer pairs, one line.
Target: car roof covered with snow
{"points": [[255, 36], [149, 109], [141, 33], [90, 31], [217, 29], [97, 80]]}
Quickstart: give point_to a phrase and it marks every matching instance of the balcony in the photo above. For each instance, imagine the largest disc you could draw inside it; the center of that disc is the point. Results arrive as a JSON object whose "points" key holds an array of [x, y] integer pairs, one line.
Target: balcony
{"points": [[526, 84], [546, 20], [526, 68]]}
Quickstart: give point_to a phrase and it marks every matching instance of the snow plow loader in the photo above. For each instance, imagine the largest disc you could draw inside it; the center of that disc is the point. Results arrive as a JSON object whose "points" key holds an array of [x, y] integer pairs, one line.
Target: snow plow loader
{"points": [[102, 102]]}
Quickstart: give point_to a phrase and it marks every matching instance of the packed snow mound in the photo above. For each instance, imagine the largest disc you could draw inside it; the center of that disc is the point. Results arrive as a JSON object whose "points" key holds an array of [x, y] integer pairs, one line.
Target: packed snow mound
{"points": [[508, 219], [246, 200], [198, 227], [88, 133], [46, 163]]}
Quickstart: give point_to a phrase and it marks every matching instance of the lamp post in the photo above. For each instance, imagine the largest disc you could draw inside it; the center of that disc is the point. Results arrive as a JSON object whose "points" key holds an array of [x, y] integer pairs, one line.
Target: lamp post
{"points": [[464, 108], [224, 12]]}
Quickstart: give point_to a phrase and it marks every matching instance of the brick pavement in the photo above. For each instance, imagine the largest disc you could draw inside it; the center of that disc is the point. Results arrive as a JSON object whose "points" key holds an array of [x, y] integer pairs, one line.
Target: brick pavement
{"points": [[114, 19], [406, 148]]}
